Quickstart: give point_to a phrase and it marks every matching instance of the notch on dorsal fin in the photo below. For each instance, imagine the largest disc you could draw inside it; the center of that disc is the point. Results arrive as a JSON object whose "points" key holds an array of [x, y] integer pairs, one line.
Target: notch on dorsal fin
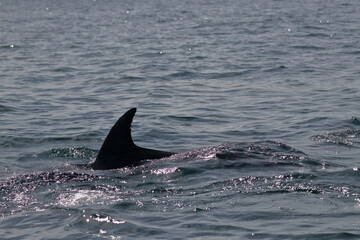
{"points": [[119, 139]]}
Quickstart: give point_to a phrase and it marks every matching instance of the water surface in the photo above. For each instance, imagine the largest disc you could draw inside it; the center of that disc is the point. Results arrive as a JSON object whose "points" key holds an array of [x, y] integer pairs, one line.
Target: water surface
{"points": [[260, 99]]}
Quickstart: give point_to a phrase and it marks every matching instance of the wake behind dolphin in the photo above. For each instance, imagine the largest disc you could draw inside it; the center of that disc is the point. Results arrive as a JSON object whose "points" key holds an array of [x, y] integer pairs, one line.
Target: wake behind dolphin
{"points": [[119, 150]]}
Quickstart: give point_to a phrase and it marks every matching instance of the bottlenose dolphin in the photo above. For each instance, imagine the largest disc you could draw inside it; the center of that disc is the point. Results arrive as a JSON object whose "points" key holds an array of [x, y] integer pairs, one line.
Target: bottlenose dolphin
{"points": [[119, 150]]}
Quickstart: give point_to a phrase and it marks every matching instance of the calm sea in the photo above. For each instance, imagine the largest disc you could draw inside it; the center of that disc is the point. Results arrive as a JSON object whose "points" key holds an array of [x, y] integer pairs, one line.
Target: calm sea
{"points": [[260, 98]]}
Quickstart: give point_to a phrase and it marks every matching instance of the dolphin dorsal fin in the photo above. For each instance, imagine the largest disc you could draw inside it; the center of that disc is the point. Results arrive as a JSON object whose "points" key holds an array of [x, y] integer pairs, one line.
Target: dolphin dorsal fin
{"points": [[119, 139]]}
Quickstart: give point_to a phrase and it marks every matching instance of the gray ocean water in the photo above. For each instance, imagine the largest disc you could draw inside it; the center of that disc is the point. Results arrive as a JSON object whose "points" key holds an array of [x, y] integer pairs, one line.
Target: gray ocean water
{"points": [[260, 99]]}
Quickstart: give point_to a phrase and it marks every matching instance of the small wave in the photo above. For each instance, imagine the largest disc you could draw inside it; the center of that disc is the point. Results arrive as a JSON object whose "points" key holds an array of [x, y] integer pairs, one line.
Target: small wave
{"points": [[227, 74], [150, 54], [274, 152], [15, 141], [355, 52], [5, 109], [131, 78], [69, 152], [181, 118], [198, 57], [317, 35], [260, 185], [181, 74], [249, 154], [27, 182], [275, 69], [84, 197], [312, 27], [65, 69], [355, 120], [22, 192], [342, 137], [308, 47]]}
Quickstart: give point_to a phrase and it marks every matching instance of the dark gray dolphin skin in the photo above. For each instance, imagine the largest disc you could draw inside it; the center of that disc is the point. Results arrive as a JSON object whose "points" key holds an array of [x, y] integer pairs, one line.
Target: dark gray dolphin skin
{"points": [[119, 150]]}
